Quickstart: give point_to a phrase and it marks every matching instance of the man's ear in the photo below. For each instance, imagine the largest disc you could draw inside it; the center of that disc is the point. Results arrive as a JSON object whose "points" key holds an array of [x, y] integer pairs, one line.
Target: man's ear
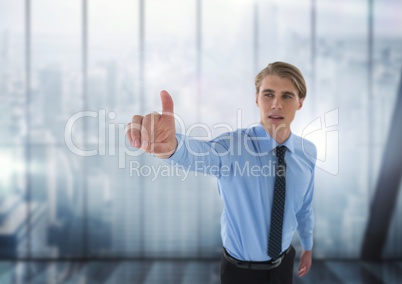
{"points": [[301, 101], [256, 99]]}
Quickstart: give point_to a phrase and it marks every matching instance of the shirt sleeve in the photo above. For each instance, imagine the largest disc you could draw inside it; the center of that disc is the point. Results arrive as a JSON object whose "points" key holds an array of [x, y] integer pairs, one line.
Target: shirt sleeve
{"points": [[305, 216], [210, 157]]}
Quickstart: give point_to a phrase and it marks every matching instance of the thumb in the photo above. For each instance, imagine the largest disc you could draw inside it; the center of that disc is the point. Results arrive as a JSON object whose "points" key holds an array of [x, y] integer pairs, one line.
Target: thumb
{"points": [[167, 103]]}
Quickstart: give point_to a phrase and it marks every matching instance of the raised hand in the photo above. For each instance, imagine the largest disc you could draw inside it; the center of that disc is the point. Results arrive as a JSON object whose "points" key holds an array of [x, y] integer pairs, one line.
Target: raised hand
{"points": [[155, 133]]}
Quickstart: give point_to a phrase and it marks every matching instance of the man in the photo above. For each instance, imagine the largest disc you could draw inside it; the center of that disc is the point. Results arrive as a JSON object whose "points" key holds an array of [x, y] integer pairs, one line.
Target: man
{"points": [[262, 207]]}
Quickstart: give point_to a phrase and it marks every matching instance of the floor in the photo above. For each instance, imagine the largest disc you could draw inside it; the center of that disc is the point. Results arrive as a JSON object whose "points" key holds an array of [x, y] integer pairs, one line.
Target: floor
{"points": [[183, 272]]}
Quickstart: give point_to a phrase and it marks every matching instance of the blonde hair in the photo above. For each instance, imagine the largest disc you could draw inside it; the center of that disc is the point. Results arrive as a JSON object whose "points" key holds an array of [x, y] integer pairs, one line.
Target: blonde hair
{"points": [[283, 70]]}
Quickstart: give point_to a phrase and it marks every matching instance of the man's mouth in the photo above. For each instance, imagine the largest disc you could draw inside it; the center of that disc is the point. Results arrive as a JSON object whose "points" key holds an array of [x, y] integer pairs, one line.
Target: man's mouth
{"points": [[276, 117]]}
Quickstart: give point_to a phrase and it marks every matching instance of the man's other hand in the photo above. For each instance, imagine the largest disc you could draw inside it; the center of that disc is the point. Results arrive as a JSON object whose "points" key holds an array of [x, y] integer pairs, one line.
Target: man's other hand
{"points": [[305, 263]]}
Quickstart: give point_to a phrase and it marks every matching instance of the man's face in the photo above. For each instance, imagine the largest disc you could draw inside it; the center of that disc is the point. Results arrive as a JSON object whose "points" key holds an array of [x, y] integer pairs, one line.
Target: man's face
{"points": [[278, 101]]}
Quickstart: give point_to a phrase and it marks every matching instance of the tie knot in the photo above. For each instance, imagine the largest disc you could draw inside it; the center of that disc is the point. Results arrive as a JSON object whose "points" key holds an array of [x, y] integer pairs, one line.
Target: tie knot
{"points": [[280, 151]]}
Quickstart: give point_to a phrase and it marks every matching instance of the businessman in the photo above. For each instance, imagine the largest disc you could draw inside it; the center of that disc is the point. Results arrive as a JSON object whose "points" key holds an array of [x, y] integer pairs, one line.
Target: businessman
{"points": [[262, 207]]}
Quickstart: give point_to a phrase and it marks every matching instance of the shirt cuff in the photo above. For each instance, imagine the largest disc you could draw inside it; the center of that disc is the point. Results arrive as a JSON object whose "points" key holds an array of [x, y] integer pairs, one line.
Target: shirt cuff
{"points": [[180, 150], [307, 244]]}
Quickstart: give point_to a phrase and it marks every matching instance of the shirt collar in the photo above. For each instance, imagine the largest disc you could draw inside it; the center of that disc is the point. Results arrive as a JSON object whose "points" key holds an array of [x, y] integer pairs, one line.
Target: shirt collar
{"points": [[269, 143]]}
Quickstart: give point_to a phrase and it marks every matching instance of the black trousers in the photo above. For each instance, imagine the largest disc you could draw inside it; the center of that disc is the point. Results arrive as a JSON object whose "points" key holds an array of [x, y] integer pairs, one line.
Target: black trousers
{"points": [[283, 274]]}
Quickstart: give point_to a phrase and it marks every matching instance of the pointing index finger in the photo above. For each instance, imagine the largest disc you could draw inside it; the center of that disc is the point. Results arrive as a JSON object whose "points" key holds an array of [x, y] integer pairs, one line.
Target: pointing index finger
{"points": [[167, 103]]}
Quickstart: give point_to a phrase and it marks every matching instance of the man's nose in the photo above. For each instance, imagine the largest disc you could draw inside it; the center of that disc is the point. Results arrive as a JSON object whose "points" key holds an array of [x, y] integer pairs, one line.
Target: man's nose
{"points": [[276, 104]]}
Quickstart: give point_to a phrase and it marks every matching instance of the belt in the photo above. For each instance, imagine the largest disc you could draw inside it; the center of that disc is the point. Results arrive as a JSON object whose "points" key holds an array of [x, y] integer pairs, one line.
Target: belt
{"points": [[257, 265]]}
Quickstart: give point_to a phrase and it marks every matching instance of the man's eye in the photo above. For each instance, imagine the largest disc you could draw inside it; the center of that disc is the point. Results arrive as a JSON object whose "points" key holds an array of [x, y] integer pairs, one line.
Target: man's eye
{"points": [[287, 97], [268, 95]]}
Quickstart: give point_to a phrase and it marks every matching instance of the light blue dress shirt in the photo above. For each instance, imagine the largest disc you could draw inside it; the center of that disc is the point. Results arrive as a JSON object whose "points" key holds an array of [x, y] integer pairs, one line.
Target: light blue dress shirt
{"points": [[244, 163]]}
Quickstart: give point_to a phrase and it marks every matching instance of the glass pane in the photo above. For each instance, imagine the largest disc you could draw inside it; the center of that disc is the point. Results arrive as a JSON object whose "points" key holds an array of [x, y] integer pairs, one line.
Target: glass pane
{"points": [[114, 214], [170, 54], [56, 68], [387, 77], [170, 207], [57, 204], [227, 79], [12, 73], [13, 205], [113, 71], [115, 210], [386, 74], [341, 111]]}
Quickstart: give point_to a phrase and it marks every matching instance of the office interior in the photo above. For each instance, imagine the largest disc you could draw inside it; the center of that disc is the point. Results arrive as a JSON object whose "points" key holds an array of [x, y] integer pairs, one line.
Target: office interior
{"points": [[78, 204]]}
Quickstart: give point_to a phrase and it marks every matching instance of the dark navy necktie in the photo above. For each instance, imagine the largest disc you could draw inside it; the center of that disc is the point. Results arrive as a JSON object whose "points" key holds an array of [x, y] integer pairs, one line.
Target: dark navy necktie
{"points": [[278, 205]]}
